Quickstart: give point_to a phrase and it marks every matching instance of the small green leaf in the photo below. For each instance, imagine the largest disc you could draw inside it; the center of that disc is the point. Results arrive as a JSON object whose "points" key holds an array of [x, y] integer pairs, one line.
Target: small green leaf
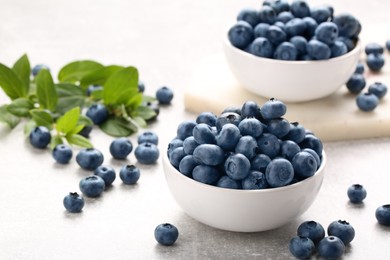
{"points": [[76, 129], [99, 76], [42, 118], [23, 71], [68, 121], [84, 120], [75, 71], [79, 141], [20, 107], [121, 86], [8, 118], [134, 102], [46, 92], [145, 112], [140, 121], [56, 140], [97, 94], [11, 83], [146, 99], [69, 96], [28, 127], [118, 127]]}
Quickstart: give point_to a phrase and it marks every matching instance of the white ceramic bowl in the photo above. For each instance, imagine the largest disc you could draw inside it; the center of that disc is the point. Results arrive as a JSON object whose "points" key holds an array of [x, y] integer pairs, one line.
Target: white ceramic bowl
{"points": [[291, 81], [242, 210]]}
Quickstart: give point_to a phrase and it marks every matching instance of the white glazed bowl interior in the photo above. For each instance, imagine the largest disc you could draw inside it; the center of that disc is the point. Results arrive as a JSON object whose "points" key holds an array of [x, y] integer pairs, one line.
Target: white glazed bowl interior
{"points": [[242, 210], [291, 81]]}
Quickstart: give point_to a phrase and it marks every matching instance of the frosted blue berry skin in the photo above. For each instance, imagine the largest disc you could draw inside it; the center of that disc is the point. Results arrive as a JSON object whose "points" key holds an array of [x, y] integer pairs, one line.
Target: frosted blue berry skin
{"points": [[129, 174], [296, 133], [141, 86], [321, 13], [305, 165], [311, 229], [203, 134], [330, 247], [209, 154], [295, 26], [273, 108], [300, 44], [93, 88], [318, 50], [375, 62], [279, 173], [347, 41], [286, 51], [40, 137], [387, 45], [347, 24], [189, 145], [312, 142], [148, 137], [260, 162], [226, 118], [314, 154], [338, 48], [247, 145], [288, 149], [248, 15], [241, 34], [73, 202], [311, 26], [378, 89], [382, 215], [120, 148], [327, 32], [250, 126], [86, 131], [300, 8], [207, 118], [261, 30], [267, 14], [356, 193], [280, 6], [187, 165], [98, 113], [367, 102], [166, 234], [250, 109], [62, 153], [89, 158], [356, 83], [278, 127], [359, 68], [164, 95], [254, 181], [301, 247], [107, 173], [374, 48], [228, 137], [343, 230], [237, 166], [37, 68], [276, 35], [92, 186], [269, 145], [261, 47], [206, 174], [173, 144], [147, 153], [176, 156], [185, 129], [228, 183], [284, 16]]}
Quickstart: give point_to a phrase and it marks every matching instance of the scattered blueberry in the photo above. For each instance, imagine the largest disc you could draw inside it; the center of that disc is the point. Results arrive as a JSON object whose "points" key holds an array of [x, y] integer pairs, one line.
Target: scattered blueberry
{"points": [[73, 202], [141, 86], [373, 48], [311, 229], [120, 148], [147, 153], [367, 102], [107, 173], [98, 113], [356, 83], [62, 153], [301, 247], [89, 158], [331, 247], [148, 137], [92, 186], [378, 89], [40, 137], [382, 214], [359, 68], [164, 95], [129, 174], [37, 68], [166, 234], [375, 62], [356, 193], [86, 131], [387, 44], [343, 230]]}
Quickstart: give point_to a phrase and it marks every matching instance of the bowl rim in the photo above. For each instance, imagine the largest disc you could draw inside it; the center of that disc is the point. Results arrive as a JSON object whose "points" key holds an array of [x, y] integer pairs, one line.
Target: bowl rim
{"points": [[248, 55], [241, 191]]}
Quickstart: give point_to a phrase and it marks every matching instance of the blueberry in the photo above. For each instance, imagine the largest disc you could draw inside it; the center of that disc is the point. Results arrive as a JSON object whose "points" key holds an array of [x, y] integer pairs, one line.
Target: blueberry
{"points": [[267, 15], [387, 44], [187, 165], [337, 49], [314, 154], [286, 51], [107, 173], [356, 83], [305, 165], [312, 142], [296, 133], [166, 234], [261, 47], [378, 89], [206, 174], [260, 162], [37, 68], [276, 35], [129, 174], [280, 24], [359, 68], [250, 126], [254, 181], [356, 193], [279, 173], [295, 26], [241, 34], [318, 50], [164, 95], [173, 144], [228, 117], [228, 183], [203, 134], [207, 118], [89, 159], [331, 247], [93, 88], [367, 102], [288, 149], [261, 30], [189, 145], [373, 48], [278, 127], [141, 86], [86, 131], [209, 154], [269, 145], [300, 8], [148, 137], [375, 62], [301, 247], [343, 230], [382, 215], [98, 113], [348, 25], [300, 44], [284, 16], [247, 145], [280, 6], [62, 153], [184, 129], [311, 26], [40, 137], [347, 41], [153, 106], [147, 153], [248, 15], [237, 166], [176, 156], [92, 186], [273, 108], [311, 229], [73, 202], [321, 14], [120, 148]]}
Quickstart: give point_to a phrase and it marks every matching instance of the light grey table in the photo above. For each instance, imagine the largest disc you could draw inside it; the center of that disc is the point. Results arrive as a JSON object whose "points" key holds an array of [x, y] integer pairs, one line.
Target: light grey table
{"points": [[165, 40]]}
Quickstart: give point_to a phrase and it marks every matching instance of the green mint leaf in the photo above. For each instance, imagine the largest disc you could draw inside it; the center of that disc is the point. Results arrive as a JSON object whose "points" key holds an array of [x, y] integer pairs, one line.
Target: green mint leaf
{"points": [[79, 141], [69, 96], [46, 92], [23, 70], [140, 121], [134, 102], [28, 127], [11, 83], [84, 120], [99, 76], [117, 127], [143, 111], [121, 86], [8, 118], [97, 94], [76, 129], [75, 71], [68, 121], [20, 107], [56, 140], [42, 118]]}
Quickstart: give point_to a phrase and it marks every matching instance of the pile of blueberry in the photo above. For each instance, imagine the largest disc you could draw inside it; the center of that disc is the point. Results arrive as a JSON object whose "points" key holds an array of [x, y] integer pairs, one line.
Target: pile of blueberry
{"points": [[295, 31], [251, 147]]}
